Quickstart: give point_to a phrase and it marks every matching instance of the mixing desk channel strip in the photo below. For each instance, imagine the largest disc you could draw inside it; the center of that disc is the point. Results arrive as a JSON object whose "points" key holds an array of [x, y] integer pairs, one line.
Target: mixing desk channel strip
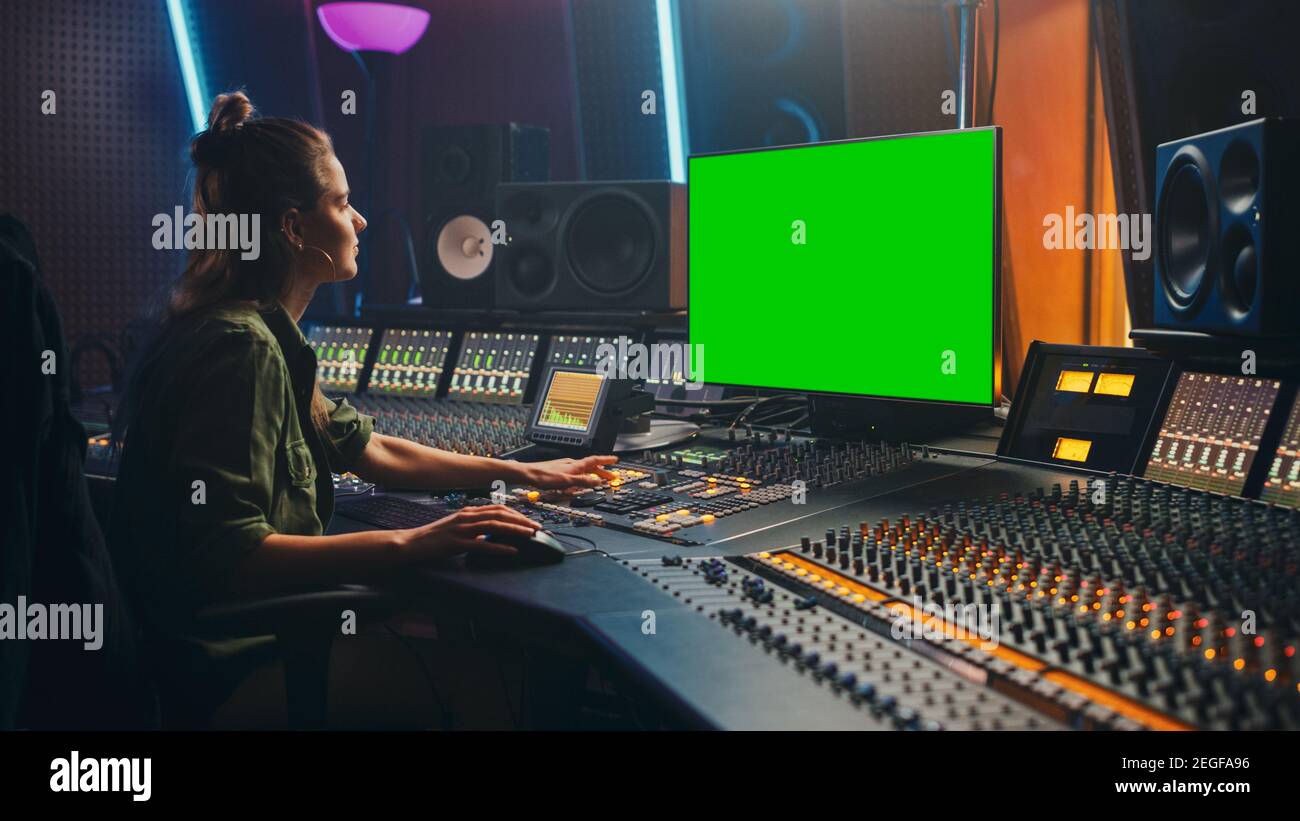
{"points": [[892, 687], [1059, 694]]}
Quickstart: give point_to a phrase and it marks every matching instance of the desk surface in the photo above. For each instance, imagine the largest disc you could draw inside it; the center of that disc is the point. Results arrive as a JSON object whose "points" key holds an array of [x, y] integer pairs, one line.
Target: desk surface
{"points": [[710, 678]]}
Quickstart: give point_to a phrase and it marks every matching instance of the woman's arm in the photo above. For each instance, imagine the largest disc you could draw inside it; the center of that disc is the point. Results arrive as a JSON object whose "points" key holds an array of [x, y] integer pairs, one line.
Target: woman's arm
{"points": [[313, 561], [396, 462]]}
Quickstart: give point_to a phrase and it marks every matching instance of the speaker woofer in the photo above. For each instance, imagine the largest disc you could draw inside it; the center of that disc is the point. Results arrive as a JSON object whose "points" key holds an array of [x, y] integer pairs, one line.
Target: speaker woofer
{"points": [[531, 272], [1188, 218], [454, 165], [1240, 271], [464, 246], [611, 243]]}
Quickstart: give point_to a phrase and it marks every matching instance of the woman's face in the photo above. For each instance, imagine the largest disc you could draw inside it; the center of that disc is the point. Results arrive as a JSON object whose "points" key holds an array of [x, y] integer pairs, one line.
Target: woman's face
{"points": [[333, 226]]}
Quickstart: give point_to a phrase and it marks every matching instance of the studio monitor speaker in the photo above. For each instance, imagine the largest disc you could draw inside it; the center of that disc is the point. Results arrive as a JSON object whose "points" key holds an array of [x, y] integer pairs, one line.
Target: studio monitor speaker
{"points": [[1227, 213], [576, 246], [460, 170]]}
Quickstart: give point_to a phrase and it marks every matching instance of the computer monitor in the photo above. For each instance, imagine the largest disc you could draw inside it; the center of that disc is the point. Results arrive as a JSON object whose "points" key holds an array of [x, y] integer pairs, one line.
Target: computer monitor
{"points": [[861, 267]]}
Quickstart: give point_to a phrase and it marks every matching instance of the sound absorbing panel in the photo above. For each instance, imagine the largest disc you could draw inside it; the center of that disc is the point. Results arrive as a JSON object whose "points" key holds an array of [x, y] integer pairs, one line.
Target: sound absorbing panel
{"points": [[616, 55], [88, 178], [762, 72], [899, 59]]}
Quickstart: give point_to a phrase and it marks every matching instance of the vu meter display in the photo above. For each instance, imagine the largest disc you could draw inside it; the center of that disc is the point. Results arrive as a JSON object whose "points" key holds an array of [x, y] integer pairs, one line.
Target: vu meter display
{"points": [[1212, 430], [494, 367], [1115, 384], [1282, 485], [1085, 407], [570, 401], [340, 355], [1074, 381], [410, 362], [1071, 450]]}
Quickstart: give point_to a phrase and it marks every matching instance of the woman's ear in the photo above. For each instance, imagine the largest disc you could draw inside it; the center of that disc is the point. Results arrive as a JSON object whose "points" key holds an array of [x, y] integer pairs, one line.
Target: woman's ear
{"points": [[291, 227]]}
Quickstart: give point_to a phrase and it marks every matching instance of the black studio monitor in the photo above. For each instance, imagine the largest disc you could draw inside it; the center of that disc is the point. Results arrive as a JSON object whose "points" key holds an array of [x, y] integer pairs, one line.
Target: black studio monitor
{"points": [[461, 167], [1225, 219], [617, 246]]}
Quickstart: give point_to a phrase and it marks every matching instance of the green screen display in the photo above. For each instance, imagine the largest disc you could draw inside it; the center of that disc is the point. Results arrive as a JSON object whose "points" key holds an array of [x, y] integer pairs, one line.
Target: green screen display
{"points": [[860, 267]]}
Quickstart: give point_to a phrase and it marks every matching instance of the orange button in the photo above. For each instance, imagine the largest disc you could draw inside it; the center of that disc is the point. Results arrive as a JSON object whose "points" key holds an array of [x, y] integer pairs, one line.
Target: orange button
{"points": [[533, 496], [707, 518]]}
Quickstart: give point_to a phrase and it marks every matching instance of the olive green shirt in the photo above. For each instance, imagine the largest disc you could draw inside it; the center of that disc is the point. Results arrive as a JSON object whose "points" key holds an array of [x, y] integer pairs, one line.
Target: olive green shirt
{"points": [[221, 453]]}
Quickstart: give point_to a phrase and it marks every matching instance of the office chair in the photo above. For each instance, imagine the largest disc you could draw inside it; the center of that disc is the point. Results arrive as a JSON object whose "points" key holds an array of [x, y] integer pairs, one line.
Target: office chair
{"points": [[54, 546]]}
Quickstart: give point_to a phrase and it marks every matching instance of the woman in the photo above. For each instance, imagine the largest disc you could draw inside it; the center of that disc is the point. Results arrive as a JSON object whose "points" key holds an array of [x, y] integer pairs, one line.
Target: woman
{"points": [[224, 487]]}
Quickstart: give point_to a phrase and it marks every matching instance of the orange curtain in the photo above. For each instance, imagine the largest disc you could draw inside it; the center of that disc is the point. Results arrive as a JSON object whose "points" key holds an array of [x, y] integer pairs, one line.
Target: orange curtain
{"points": [[1055, 156]]}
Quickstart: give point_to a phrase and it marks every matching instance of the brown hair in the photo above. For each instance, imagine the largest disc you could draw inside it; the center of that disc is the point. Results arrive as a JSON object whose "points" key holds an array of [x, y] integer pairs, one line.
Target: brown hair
{"points": [[246, 164]]}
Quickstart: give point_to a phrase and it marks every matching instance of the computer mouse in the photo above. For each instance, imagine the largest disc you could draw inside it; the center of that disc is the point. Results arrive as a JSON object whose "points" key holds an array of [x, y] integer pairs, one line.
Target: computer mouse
{"points": [[541, 548]]}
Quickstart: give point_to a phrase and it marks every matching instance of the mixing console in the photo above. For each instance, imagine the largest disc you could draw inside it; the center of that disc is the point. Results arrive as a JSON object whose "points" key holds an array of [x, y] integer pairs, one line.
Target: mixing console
{"points": [[662, 494], [892, 687], [410, 362], [1125, 603], [340, 355], [494, 367], [480, 429], [1212, 430], [1282, 485], [577, 351]]}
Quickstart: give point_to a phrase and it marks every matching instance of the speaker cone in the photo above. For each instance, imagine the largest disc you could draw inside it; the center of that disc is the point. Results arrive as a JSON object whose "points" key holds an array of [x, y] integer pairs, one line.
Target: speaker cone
{"points": [[465, 247], [454, 164], [1188, 218], [1240, 270], [531, 272], [611, 243]]}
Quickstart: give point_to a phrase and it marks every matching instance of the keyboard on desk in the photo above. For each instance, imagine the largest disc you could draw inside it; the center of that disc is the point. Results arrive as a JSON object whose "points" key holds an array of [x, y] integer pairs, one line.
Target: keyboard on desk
{"points": [[392, 512]]}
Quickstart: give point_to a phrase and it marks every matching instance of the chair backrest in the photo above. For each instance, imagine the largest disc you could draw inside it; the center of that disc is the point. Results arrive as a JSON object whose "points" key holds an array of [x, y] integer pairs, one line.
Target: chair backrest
{"points": [[53, 555]]}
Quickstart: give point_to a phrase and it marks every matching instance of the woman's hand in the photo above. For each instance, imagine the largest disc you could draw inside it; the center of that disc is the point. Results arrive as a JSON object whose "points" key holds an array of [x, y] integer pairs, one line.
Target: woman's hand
{"points": [[460, 532], [567, 474]]}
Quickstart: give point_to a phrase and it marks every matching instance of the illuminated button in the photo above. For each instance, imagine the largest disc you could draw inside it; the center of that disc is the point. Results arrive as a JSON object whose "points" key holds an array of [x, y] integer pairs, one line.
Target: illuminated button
{"points": [[707, 518], [533, 496], [662, 517], [683, 512]]}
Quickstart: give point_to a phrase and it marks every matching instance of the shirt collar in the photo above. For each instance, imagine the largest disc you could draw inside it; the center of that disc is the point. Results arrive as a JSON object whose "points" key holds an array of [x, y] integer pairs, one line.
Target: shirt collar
{"points": [[297, 353]]}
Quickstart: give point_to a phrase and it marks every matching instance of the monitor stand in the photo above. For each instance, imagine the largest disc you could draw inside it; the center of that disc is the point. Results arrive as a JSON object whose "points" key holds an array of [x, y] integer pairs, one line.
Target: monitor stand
{"points": [[890, 420]]}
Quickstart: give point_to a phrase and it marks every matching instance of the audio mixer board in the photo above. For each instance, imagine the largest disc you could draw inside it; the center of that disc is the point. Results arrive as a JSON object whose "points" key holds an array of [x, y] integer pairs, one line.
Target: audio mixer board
{"points": [[705, 492], [821, 582], [463, 392]]}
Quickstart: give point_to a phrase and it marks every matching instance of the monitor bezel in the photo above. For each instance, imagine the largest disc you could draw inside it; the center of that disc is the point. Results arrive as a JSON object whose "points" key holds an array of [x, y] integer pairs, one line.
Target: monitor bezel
{"points": [[996, 273]]}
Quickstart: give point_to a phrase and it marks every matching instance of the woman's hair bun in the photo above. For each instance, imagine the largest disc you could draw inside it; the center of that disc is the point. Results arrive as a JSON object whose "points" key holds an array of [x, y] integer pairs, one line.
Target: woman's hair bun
{"points": [[216, 146]]}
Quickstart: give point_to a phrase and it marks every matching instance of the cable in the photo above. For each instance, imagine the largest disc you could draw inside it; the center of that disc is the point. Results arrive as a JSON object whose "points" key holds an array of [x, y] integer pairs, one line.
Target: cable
{"points": [[428, 677], [594, 546], [779, 396]]}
